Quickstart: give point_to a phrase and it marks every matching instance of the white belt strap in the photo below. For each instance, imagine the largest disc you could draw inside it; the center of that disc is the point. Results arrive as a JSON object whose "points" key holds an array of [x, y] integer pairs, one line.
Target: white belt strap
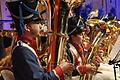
{"points": [[27, 46]]}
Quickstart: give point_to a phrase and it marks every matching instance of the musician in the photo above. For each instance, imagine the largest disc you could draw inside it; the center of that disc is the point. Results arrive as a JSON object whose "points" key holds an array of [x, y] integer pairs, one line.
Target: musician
{"points": [[106, 70], [78, 48], [26, 65]]}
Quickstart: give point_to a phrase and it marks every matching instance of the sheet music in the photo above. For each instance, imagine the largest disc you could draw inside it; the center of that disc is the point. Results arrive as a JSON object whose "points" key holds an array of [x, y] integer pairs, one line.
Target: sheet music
{"points": [[115, 49]]}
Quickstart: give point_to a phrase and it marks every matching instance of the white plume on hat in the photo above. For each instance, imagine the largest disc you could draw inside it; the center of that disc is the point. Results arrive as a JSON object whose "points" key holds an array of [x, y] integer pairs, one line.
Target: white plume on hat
{"points": [[93, 14]]}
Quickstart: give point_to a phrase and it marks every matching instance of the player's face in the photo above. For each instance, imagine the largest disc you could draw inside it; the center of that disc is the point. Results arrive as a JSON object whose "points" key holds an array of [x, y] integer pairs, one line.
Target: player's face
{"points": [[35, 29]]}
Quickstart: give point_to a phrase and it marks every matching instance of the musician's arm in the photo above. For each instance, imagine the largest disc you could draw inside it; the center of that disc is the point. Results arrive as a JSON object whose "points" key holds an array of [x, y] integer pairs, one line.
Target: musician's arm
{"points": [[25, 61]]}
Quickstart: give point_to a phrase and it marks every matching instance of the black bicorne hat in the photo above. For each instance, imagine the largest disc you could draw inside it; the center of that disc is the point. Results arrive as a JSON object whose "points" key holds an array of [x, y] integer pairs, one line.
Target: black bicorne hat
{"points": [[23, 11], [75, 25], [28, 8]]}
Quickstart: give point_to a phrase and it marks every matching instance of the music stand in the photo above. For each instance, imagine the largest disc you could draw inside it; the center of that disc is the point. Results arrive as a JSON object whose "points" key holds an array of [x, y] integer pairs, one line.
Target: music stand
{"points": [[114, 55], [115, 62]]}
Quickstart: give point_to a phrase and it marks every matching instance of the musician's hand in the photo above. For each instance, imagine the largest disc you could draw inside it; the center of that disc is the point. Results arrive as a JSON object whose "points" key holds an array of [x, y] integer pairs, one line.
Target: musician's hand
{"points": [[90, 68], [97, 60], [66, 66]]}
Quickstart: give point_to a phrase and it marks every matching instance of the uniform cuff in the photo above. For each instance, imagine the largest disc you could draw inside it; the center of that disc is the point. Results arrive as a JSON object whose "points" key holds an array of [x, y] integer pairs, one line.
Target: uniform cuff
{"points": [[58, 72], [81, 69]]}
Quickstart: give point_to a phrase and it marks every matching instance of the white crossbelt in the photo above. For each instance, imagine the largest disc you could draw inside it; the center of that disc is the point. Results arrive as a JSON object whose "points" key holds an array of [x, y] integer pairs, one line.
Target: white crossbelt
{"points": [[30, 48]]}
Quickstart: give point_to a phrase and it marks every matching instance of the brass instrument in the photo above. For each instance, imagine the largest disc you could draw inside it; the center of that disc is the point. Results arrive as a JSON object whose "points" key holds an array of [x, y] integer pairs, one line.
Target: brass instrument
{"points": [[95, 26], [94, 44], [114, 30], [5, 59], [93, 22], [112, 34], [110, 38]]}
